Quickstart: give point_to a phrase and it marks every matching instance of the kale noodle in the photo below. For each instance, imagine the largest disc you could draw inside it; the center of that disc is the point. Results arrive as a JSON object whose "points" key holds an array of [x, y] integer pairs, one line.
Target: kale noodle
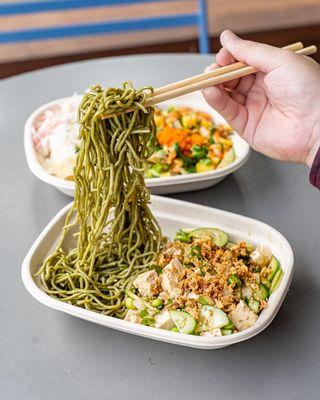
{"points": [[117, 237]]}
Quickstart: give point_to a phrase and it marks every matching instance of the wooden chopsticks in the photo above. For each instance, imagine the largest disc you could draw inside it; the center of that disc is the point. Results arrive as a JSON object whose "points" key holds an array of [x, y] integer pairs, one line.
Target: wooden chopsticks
{"points": [[211, 78], [216, 72]]}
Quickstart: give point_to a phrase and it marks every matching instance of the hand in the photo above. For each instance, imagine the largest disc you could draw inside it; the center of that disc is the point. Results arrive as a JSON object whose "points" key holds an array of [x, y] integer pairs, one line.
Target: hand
{"points": [[277, 110]]}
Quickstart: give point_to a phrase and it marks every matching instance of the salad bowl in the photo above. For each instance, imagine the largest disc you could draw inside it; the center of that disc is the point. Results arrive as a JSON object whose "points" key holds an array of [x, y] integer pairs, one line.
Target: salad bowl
{"points": [[163, 185], [173, 215]]}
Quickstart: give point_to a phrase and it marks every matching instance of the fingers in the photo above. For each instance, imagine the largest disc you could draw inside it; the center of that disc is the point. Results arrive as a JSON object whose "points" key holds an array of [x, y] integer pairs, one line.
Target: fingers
{"points": [[243, 85], [261, 56], [224, 57], [238, 97], [232, 110]]}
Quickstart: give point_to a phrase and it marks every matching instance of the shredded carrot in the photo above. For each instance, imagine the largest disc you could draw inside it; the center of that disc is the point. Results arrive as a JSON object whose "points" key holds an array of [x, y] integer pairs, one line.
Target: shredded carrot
{"points": [[186, 139]]}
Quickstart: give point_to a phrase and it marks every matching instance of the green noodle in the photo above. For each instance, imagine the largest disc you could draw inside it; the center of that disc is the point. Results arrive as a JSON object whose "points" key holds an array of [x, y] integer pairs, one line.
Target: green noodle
{"points": [[117, 235]]}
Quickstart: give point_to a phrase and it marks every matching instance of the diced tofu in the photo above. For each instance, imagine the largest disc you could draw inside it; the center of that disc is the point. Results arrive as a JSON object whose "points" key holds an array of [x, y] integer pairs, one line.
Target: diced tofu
{"points": [[193, 296], [133, 316], [170, 277], [227, 291], [242, 316], [164, 320], [261, 255], [246, 291], [147, 283]]}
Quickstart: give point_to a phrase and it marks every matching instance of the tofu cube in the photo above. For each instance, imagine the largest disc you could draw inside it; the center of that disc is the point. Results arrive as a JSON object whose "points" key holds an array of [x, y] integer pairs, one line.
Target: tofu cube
{"points": [[170, 277], [147, 283], [164, 320], [133, 316], [214, 332], [261, 255], [242, 317]]}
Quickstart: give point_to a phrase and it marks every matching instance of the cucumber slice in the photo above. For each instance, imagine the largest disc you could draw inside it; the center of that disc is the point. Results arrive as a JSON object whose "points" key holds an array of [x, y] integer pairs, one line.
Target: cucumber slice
{"points": [[183, 321], [253, 305], [205, 300], [266, 283], [273, 267], [139, 303], [229, 326], [250, 248], [214, 317], [148, 321], [219, 237], [228, 158], [129, 304], [261, 294], [187, 230], [157, 303], [234, 279], [226, 332], [182, 236], [276, 280]]}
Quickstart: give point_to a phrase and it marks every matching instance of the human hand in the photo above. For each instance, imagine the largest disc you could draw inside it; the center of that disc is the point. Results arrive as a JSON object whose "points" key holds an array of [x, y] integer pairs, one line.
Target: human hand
{"points": [[277, 110]]}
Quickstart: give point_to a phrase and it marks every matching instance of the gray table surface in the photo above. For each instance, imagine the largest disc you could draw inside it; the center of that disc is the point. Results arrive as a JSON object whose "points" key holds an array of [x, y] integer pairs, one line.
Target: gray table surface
{"points": [[45, 354]]}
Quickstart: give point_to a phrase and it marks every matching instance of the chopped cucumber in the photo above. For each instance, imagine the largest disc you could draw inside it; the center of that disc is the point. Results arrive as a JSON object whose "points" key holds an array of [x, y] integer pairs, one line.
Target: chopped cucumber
{"points": [[148, 321], [151, 173], [276, 280], [205, 300], [228, 158], [182, 236], [183, 321], [273, 267], [230, 326], [204, 165], [219, 237], [175, 329], [250, 248], [214, 317], [226, 332], [139, 303], [261, 293], [229, 245], [143, 313], [129, 304], [234, 279], [187, 230], [157, 303], [266, 283], [195, 251], [253, 305], [158, 269]]}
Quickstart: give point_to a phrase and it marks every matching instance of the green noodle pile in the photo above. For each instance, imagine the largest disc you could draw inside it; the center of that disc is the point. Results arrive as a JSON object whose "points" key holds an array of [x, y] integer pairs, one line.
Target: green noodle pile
{"points": [[117, 235]]}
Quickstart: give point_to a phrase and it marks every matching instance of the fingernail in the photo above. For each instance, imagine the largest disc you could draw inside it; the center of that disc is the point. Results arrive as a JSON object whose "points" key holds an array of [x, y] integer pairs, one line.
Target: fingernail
{"points": [[229, 36]]}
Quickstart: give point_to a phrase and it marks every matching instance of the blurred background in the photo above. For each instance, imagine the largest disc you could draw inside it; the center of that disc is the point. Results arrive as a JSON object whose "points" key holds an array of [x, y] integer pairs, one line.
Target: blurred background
{"points": [[36, 34]]}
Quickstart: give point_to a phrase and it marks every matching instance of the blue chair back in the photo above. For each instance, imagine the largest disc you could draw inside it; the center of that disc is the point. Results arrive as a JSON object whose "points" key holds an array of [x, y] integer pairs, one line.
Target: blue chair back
{"points": [[198, 18]]}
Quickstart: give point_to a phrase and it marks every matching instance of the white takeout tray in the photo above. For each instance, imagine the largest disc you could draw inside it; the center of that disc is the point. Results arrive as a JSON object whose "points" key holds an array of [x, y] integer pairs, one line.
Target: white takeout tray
{"points": [[172, 215], [170, 184]]}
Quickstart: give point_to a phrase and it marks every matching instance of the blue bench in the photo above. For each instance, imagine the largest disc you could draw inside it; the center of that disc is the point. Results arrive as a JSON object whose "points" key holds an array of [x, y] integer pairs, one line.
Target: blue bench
{"points": [[99, 28]]}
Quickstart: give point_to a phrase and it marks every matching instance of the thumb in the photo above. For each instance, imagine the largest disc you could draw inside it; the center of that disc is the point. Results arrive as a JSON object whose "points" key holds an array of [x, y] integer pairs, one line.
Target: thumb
{"points": [[261, 56]]}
